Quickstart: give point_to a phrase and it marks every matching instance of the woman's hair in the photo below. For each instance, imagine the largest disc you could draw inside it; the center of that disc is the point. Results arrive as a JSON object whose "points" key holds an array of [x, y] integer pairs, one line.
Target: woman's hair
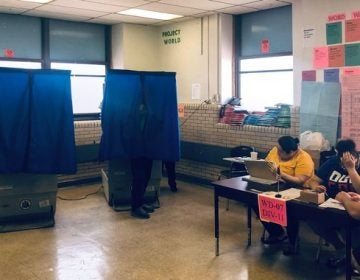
{"points": [[345, 145], [288, 143]]}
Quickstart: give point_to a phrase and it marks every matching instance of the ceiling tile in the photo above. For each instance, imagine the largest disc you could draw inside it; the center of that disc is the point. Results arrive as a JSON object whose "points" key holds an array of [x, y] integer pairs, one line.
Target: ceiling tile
{"points": [[69, 11], [19, 4], [124, 3], [164, 8], [237, 10], [130, 19], [9, 10], [198, 4], [86, 5], [57, 15], [266, 4], [235, 2]]}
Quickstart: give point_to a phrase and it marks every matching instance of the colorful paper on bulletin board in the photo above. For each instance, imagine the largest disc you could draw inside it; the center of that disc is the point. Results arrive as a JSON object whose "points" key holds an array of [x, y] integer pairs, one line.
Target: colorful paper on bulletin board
{"points": [[352, 54], [351, 71], [352, 30], [321, 57], [272, 209], [350, 107], [331, 75], [265, 46], [336, 56], [319, 108], [181, 110], [309, 75], [333, 33]]}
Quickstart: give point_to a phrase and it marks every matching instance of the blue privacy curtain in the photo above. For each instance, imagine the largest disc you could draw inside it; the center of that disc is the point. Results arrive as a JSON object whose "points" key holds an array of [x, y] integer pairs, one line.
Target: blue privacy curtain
{"points": [[52, 140], [36, 122], [14, 124], [139, 116]]}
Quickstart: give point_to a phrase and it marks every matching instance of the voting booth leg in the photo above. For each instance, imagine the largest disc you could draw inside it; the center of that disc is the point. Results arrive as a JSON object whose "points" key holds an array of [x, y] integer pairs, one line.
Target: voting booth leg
{"points": [[216, 213], [249, 224]]}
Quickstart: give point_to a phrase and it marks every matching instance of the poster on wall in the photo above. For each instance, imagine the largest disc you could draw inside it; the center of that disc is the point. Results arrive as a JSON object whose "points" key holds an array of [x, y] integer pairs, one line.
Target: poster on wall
{"points": [[333, 33], [336, 56], [352, 30], [352, 54], [309, 37], [331, 75], [321, 57], [309, 75], [319, 108], [350, 107]]}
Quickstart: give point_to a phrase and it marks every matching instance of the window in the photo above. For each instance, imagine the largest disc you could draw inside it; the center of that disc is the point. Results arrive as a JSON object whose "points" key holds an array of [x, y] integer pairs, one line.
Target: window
{"points": [[265, 82], [87, 83], [264, 78]]}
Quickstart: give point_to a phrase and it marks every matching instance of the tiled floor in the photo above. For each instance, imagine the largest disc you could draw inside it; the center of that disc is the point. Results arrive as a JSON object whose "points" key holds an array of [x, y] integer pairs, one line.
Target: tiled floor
{"points": [[91, 241]]}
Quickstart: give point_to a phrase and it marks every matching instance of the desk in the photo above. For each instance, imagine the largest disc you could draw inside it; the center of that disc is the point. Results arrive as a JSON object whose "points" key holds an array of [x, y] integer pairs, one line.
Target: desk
{"points": [[243, 191]]}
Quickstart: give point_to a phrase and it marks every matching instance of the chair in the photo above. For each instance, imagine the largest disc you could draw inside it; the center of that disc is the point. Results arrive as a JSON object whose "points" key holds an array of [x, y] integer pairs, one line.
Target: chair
{"points": [[236, 169]]}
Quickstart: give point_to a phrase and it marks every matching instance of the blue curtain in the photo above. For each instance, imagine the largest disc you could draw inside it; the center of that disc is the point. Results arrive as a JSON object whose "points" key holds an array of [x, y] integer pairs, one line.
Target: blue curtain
{"points": [[14, 105], [139, 116], [36, 122], [52, 144]]}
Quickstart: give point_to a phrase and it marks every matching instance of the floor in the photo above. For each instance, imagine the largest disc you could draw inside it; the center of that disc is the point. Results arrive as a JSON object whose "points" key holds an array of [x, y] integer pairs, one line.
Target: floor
{"points": [[92, 241]]}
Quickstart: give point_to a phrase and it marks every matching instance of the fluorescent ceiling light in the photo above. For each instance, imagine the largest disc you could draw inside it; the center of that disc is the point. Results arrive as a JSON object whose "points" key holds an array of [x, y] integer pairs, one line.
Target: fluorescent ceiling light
{"points": [[148, 14], [37, 1]]}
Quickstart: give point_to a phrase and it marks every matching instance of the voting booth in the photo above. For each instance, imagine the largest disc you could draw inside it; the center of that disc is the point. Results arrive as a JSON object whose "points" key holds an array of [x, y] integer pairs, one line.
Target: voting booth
{"points": [[37, 143], [139, 119], [117, 184]]}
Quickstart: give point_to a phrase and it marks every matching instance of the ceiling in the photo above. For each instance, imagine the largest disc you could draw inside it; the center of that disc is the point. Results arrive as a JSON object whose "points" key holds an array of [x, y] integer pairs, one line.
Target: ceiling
{"points": [[105, 11]]}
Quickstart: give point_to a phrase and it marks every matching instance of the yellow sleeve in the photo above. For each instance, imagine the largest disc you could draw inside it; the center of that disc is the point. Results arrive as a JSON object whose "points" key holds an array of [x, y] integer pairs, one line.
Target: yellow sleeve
{"points": [[305, 165], [273, 155]]}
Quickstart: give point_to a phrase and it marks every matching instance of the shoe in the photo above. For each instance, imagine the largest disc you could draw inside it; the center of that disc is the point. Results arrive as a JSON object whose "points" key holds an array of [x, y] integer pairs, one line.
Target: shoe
{"points": [[355, 272], [274, 239], [336, 262], [291, 249], [140, 213], [148, 208], [173, 188]]}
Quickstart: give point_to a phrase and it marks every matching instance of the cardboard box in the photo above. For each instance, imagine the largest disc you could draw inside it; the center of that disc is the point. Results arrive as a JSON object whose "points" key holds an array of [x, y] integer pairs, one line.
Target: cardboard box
{"points": [[312, 196]]}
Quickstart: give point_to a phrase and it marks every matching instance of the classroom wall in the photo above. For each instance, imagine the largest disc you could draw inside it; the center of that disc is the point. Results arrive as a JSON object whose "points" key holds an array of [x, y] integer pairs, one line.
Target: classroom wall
{"points": [[194, 54], [313, 14], [135, 47]]}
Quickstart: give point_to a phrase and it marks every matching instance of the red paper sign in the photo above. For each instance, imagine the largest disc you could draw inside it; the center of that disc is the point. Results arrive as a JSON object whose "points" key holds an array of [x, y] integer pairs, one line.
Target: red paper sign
{"points": [[9, 52], [272, 209], [265, 46]]}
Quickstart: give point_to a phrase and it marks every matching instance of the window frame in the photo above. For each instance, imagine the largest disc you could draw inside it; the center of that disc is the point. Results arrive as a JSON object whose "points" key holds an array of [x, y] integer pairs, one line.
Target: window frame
{"points": [[46, 62]]}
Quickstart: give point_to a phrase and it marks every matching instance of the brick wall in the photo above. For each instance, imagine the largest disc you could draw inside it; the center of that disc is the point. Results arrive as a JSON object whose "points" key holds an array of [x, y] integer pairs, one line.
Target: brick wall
{"points": [[86, 132], [200, 125]]}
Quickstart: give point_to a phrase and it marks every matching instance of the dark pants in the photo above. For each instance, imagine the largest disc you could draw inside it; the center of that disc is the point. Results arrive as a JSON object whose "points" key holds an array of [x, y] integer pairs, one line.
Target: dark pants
{"points": [[292, 228], [170, 171], [141, 173]]}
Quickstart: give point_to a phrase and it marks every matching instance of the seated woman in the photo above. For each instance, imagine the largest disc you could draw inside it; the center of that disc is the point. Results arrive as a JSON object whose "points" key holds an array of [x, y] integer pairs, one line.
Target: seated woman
{"points": [[338, 174], [294, 166]]}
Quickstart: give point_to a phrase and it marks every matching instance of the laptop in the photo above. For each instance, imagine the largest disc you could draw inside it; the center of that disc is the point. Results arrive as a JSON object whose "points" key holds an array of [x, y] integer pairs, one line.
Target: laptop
{"points": [[259, 172]]}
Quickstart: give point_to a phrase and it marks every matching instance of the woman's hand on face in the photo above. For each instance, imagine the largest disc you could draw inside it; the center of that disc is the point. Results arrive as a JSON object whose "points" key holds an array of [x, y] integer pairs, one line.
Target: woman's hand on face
{"points": [[348, 160]]}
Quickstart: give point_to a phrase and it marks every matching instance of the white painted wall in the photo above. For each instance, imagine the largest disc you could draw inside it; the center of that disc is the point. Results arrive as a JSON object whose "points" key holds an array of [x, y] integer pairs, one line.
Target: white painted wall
{"points": [[135, 47], [313, 14]]}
